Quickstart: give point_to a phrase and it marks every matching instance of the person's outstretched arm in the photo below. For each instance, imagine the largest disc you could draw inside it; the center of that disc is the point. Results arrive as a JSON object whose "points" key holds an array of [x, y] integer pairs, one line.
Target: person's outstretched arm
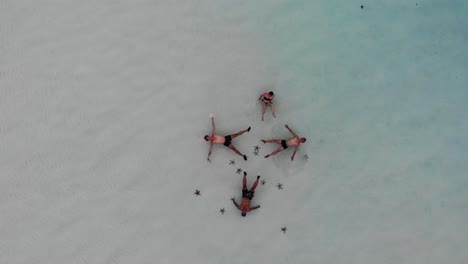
{"points": [[213, 132], [294, 153], [211, 148], [234, 201], [290, 131], [255, 207]]}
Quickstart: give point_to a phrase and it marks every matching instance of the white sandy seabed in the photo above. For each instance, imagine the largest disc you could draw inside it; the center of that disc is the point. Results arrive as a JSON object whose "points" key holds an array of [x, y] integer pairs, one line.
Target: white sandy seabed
{"points": [[103, 108]]}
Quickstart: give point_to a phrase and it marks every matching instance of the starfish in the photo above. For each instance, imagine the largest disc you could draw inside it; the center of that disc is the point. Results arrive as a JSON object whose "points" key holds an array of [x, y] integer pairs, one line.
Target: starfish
{"points": [[256, 148], [263, 182], [255, 153], [239, 170], [222, 210], [283, 229], [232, 162], [197, 192], [305, 156], [280, 186]]}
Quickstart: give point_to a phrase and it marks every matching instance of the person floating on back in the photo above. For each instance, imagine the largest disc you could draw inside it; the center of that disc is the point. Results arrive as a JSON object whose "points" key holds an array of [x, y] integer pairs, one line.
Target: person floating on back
{"points": [[295, 141], [267, 100], [247, 196], [225, 140]]}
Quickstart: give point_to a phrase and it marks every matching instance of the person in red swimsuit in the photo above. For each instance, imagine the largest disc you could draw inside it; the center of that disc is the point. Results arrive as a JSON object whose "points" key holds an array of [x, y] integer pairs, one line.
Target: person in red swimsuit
{"points": [[267, 100], [295, 141], [225, 140], [247, 196]]}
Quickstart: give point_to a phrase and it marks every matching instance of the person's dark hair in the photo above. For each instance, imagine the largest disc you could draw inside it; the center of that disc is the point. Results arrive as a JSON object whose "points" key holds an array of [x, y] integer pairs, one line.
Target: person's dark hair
{"points": [[271, 93], [244, 214], [206, 137], [304, 139]]}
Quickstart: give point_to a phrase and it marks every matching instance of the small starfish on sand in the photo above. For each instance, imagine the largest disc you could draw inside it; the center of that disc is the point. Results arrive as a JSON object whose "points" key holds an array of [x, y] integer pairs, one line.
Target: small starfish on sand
{"points": [[197, 192], [232, 162], [263, 182], [280, 186], [305, 156], [222, 210], [239, 170], [256, 148], [283, 229], [255, 153]]}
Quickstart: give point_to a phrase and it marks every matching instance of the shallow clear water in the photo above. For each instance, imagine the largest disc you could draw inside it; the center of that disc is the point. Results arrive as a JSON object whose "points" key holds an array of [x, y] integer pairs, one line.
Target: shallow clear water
{"points": [[380, 92], [103, 105]]}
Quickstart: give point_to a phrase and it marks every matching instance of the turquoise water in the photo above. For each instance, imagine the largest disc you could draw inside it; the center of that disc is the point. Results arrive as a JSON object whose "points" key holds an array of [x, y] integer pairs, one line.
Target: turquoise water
{"points": [[103, 105], [380, 92]]}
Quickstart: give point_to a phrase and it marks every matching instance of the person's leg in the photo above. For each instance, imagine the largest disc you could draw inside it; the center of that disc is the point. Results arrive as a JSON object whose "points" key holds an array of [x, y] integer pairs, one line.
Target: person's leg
{"points": [[254, 185], [277, 141], [275, 152], [273, 109], [240, 133], [244, 182], [264, 106], [237, 151]]}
